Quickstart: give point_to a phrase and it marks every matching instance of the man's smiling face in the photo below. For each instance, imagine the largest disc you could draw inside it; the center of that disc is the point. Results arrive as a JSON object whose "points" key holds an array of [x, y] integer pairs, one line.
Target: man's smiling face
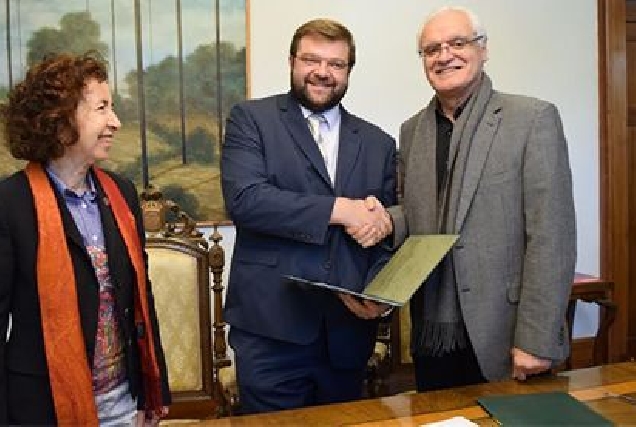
{"points": [[320, 72], [453, 72]]}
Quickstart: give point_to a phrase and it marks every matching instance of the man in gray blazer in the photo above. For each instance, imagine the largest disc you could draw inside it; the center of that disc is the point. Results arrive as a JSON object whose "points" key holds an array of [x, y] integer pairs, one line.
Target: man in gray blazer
{"points": [[493, 168]]}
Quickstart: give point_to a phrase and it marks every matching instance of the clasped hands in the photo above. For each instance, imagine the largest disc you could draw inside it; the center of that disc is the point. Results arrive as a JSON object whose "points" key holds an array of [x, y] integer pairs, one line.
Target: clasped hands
{"points": [[365, 220]]}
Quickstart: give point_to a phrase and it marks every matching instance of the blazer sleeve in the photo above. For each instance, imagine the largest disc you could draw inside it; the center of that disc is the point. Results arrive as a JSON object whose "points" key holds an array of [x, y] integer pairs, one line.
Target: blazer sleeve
{"points": [[6, 285], [398, 216], [550, 255], [252, 200]]}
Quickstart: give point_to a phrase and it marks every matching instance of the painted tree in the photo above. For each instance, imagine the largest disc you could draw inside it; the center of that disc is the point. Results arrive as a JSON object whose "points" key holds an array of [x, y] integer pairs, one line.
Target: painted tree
{"points": [[77, 34]]}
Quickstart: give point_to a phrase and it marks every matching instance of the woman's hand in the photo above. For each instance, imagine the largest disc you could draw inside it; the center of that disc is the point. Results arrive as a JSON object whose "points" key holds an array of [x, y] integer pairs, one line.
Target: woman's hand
{"points": [[150, 418]]}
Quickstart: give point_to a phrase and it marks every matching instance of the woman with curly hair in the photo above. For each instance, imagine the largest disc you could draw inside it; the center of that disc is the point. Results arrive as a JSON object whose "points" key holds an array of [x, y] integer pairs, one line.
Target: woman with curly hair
{"points": [[84, 345]]}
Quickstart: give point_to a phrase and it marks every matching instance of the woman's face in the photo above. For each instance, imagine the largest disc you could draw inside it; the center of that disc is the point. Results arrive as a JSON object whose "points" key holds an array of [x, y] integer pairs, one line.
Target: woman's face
{"points": [[96, 123]]}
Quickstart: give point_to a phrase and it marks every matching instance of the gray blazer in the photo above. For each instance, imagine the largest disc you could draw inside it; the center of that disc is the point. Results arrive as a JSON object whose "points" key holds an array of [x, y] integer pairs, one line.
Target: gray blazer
{"points": [[516, 254]]}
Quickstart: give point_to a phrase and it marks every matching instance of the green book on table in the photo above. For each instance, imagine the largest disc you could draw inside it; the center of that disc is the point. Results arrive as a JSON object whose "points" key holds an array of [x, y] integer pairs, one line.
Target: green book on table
{"points": [[541, 409]]}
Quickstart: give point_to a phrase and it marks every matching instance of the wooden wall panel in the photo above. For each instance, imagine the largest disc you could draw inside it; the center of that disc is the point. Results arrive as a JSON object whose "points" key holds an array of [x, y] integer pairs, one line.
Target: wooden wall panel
{"points": [[631, 77], [631, 148], [614, 163], [631, 313]]}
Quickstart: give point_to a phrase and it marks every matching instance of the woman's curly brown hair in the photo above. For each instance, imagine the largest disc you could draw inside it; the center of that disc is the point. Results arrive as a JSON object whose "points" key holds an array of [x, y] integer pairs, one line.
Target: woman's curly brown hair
{"points": [[39, 115]]}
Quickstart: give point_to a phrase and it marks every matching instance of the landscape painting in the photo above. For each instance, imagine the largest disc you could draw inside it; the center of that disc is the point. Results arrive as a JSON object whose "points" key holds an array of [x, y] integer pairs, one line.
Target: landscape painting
{"points": [[176, 68]]}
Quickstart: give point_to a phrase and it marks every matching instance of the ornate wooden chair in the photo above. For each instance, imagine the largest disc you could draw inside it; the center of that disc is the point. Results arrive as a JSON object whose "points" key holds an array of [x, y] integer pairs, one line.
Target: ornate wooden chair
{"points": [[180, 260]]}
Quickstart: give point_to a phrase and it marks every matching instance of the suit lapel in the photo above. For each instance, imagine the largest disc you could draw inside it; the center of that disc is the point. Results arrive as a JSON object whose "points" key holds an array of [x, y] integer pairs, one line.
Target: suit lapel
{"points": [[480, 146], [297, 126], [70, 229], [349, 145]]}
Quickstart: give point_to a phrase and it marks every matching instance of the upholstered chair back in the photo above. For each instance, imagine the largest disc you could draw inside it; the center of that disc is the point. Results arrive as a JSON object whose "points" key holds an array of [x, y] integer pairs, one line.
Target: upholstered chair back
{"points": [[179, 274], [185, 274]]}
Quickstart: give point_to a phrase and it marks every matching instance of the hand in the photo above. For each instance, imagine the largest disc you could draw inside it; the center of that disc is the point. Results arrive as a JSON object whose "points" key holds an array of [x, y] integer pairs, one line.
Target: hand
{"points": [[365, 220], [364, 309], [150, 418], [524, 364]]}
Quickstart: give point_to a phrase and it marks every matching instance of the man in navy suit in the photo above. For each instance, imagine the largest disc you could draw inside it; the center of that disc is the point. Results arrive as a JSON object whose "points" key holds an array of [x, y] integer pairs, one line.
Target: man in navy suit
{"points": [[297, 196]]}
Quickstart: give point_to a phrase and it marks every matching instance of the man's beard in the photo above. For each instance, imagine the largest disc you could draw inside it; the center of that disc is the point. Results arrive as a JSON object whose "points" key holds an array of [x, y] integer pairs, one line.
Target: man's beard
{"points": [[301, 93]]}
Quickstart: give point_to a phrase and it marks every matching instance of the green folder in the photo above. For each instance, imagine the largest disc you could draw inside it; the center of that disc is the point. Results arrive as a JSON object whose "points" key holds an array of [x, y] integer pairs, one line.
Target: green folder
{"points": [[398, 280], [541, 409]]}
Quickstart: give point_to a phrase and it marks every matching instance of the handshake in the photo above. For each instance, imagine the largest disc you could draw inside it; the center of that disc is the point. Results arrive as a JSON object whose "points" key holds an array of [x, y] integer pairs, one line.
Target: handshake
{"points": [[367, 221]]}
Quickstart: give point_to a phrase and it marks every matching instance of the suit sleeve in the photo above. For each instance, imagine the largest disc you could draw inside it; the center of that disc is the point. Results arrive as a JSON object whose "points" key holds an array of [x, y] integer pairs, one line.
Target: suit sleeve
{"points": [[550, 256], [6, 285], [382, 252], [253, 201]]}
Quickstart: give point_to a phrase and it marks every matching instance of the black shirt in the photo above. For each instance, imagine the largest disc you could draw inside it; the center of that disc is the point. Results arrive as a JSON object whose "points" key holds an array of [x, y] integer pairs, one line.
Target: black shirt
{"points": [[444, 133]]}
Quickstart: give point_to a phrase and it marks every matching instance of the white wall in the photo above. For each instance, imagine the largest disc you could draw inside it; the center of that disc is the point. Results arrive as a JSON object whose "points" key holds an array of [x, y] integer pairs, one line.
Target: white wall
{"points": [[541, 48]]}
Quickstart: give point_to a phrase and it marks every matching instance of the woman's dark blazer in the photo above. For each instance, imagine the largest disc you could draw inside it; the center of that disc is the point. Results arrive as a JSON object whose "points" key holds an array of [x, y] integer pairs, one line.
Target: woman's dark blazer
{"points": [[25, 393]]}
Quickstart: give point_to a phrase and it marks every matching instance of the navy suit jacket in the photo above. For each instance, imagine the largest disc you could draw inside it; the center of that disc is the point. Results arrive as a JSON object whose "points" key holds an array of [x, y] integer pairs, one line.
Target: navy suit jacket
{"points": [[25, 394], [278, 193]]}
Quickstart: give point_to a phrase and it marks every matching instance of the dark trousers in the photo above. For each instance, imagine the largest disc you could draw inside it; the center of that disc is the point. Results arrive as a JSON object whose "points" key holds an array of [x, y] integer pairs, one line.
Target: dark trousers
{"points": [[453, 369], [273, 375]]}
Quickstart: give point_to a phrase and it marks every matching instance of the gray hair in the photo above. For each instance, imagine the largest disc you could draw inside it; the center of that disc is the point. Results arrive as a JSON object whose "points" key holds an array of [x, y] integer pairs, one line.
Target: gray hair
{"points": [[475, 23]]}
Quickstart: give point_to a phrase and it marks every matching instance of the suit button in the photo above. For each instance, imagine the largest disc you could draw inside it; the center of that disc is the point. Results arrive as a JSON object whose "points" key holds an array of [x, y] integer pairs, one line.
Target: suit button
{"points": [[327, 265], [127, 311], [129, 343]]}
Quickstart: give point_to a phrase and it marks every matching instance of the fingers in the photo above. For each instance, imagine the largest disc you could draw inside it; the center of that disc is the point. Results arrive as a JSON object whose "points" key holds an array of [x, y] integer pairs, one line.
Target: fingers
{"points": [[371, 203], [364, 309], [151, 418], [366, 235], [384, 224], [353, 305], [525, 364], [518, 374]]}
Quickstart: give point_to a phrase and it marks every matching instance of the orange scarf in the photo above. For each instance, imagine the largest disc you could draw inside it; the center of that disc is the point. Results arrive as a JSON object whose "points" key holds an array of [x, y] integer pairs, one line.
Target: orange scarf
{"points": [[69, 372]]}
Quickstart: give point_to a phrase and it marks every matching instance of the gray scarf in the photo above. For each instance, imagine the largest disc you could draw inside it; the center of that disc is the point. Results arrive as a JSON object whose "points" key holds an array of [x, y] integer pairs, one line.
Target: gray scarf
{"points": [[435, 312]]}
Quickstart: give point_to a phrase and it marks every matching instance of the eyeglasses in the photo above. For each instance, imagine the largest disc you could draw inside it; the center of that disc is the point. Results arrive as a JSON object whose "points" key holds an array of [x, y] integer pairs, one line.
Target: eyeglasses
{"points": [[312, 61], [457, 44]]}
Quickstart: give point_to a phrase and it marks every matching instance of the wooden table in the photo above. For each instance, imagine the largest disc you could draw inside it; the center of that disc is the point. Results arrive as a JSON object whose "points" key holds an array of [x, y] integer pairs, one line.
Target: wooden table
{"points": [[606, 389], [593, 289]]}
